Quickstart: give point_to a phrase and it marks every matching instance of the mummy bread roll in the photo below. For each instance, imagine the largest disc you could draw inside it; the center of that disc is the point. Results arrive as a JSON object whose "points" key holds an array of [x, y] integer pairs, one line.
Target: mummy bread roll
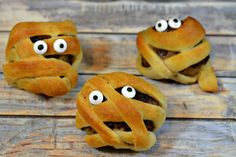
{"points": [[43, 57], [120, 110], [176, 50]]}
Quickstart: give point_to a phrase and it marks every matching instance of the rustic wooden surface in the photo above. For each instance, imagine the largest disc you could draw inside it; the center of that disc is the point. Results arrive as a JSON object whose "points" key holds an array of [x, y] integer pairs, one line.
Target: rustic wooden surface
{"points": [[198, 123], [58, 137]]}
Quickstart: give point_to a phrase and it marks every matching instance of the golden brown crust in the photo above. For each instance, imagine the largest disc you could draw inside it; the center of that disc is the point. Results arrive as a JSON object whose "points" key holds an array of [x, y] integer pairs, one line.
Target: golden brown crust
{"points": [[118, 108], [41, 73], [190, 48], [24, 30], [207, 80], [176, 40]]}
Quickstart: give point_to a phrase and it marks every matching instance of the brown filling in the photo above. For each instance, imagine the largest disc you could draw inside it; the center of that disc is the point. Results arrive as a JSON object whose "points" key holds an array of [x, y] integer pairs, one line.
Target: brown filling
{"points": [[39, 37], [119, 126], [66, 58], [145, 63], [122, 125], [164, 54], [194, 69], [43, 37], [143, 97], [59, 35], [146, 98]]}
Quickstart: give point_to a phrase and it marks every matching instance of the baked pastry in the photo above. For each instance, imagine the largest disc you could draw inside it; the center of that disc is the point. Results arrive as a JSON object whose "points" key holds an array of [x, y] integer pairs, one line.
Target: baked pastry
{"points": [[43, 57], [120, 110], [176, 50]]}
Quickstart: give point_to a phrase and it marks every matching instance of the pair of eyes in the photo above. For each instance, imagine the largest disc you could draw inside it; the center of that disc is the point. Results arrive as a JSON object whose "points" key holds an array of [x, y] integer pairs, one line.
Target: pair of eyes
{"points": [[40, 47], [96, 97], [162, 25]]}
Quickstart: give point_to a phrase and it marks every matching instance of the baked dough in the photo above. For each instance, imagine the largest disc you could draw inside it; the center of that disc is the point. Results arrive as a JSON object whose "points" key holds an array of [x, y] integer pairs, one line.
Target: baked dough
{"points": [[180, 54], [120, 117], [43, 57]]}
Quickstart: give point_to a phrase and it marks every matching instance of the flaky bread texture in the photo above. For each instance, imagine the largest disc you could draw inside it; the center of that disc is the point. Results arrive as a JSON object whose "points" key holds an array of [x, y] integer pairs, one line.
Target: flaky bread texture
{"points": [[35, 73], [189, 40], [118, 108]]}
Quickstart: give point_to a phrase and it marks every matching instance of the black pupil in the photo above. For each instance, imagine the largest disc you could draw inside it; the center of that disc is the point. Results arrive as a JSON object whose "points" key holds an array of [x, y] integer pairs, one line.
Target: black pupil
{"points": [[95, 97], [40, 47], [159, 25], [61, 45], [129, 89], [175, 20]]}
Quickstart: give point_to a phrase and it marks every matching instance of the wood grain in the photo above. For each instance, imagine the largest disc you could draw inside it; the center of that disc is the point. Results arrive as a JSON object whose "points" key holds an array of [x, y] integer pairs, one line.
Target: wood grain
{"points": [[24, 137], [113, 52], [119, 16], [198, 124], [184, 101]]}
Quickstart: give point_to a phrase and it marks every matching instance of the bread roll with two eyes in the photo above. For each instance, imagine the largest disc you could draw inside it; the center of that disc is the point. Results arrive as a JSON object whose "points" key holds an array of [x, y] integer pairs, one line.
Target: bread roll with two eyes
{"points": [[120, 110], [43, 57], [176, 50]]}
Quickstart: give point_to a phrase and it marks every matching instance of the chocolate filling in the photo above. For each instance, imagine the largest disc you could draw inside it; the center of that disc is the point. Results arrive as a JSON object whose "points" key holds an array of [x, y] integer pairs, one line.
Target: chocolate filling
{"points": [[39, 37], [119, 126], [143, 97], [66, 58]]}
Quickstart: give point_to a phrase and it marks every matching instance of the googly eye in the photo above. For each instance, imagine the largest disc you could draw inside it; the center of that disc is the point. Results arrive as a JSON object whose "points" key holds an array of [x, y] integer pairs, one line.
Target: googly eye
{"points": [[95, 97], [174, 23], [60, 45], [161, 25], [40, 47], [128, 92]]}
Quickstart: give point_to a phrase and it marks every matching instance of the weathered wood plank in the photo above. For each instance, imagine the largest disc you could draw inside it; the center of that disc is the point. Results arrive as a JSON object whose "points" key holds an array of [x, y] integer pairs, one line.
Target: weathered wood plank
{"points": [[59, 137], [113, 52], [183, 101], [119, 16]]}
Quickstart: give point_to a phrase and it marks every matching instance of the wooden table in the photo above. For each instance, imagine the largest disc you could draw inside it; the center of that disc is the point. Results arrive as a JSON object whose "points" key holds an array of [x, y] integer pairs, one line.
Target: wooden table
{"points": [[198, 123]]}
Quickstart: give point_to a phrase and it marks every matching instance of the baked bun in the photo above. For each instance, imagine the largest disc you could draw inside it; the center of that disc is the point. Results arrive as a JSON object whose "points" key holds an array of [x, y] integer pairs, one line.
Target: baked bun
{"points": [[176, 50], [120, 110], [43, 57]]}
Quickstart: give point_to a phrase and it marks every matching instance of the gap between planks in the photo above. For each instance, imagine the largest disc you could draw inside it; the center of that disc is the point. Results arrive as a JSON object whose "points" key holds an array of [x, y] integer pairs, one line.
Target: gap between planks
{"points": [[73, 117], [132, 33], [197, 104], [60, 137], [119, 16], [104, 53]]}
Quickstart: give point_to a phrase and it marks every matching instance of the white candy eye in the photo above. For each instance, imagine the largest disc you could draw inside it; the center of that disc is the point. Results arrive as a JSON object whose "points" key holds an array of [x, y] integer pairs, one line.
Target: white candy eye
{"points": [[40, 47], [174, 23], [161, 25], [95, 97], [60, 45], [128, 92]]}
